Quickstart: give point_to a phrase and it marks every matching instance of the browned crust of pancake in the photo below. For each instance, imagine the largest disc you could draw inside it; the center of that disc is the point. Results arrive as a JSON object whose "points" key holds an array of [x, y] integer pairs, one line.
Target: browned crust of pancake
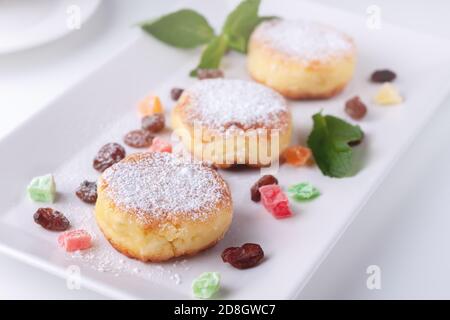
{"points": [[308, 65], [207, 134], [127, 253], [295, 95]]}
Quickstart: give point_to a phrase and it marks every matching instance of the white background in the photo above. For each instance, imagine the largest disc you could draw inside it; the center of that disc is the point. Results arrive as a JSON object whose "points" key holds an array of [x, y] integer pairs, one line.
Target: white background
{"points": [[404, 229]]}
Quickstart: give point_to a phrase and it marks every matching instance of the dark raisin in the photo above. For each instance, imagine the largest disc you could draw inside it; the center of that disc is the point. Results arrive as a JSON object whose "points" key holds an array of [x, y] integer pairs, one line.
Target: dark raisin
{"points": [[138, 139], [153, 123], [263, 181], [381, 76], [175, 93], [355, 108], [87, 192], [51, 219], [209, 73], [108, 155], [244, 257]]}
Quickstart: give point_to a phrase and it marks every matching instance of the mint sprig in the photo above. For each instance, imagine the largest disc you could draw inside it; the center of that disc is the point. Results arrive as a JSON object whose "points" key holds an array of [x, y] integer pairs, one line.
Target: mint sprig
{"points": [[329, 141], [240, 24], [189, 29], [212, 54], [182, 29]]}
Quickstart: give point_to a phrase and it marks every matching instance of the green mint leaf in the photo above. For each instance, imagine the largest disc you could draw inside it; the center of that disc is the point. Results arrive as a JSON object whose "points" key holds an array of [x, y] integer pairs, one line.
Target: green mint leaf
{"points": [[240, 24], [183, 29], [212, 54], [329, 141]]}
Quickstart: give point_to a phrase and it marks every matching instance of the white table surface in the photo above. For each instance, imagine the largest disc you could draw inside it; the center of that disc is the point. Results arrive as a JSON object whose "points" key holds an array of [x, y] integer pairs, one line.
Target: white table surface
{"points": [[404, 229]]}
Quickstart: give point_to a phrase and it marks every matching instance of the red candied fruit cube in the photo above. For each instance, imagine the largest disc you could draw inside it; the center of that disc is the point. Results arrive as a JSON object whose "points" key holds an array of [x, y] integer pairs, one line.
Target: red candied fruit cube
{"points": [[281, 210], [271, 195], [75, 240], [275, 201], [160, 145]]}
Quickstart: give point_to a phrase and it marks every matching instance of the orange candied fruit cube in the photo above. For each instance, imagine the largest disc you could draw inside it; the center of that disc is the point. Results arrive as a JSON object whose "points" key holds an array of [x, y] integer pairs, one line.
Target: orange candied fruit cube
{"points": [[297, 155], [150, 105]]}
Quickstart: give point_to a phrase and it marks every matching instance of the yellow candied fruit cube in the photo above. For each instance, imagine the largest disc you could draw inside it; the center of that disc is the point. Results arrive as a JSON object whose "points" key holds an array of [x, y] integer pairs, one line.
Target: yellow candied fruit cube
{"points": [[388, 95], [150, 105]]}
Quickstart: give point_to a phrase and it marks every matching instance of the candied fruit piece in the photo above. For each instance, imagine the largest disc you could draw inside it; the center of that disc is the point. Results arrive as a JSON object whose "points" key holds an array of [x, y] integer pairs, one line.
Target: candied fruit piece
{"points": [[51, 219], [297, 155], [303, 191], [246, 256], [206, 285], [150, 105], [275, 201], [138, 139], [75, 240], [87, 192], [388, 95], [271, 195], [263, 181], [281, 210], [176, 93], [42, 189], [160, 145], [153, 123], [355, 108], [108, 155], [381, 76]]}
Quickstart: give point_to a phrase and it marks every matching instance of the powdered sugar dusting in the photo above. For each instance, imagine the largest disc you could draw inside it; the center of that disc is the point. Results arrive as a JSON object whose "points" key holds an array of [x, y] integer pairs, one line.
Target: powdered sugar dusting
{"points": [[224, 104], [161, 185], [304, 40]]}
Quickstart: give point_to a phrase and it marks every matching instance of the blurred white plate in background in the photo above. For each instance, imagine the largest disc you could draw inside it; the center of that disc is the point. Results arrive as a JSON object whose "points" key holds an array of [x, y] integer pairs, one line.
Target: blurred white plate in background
{"points": [[25, 24]]}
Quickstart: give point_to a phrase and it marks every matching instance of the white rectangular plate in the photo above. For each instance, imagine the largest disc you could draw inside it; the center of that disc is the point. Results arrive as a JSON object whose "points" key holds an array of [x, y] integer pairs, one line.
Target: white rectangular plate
{"points": [[64, 138]]}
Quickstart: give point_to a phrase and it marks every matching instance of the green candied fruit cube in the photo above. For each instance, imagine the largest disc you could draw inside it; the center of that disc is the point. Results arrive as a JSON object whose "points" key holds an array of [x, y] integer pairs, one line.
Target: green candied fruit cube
{"points": [[42, 189], [303, 191], [206, 285]]}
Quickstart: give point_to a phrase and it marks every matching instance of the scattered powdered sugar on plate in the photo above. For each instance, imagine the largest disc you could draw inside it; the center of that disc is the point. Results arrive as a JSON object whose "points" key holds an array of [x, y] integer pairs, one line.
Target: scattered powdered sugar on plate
{"points": [[303, 39], [101, 257], [157, 185], [224, 104]]}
